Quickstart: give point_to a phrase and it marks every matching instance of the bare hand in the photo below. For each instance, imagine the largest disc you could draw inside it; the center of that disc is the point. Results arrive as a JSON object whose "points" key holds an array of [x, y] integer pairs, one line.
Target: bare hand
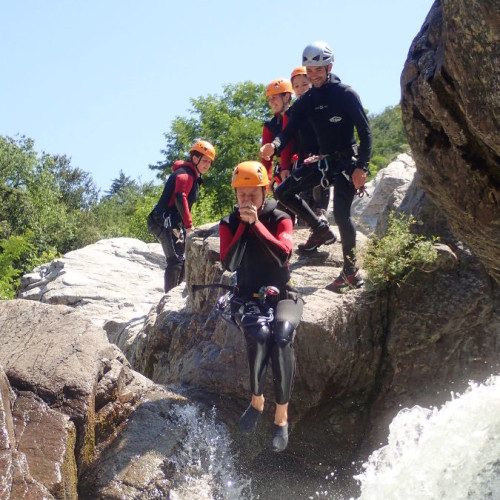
{"points": [[358, 177], [248, 213], [267, 151], [189, 230]]}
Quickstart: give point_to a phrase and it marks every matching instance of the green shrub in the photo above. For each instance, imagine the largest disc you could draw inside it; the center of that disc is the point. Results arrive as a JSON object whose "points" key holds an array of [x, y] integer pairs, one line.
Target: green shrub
{"points": [[392, 258], [18, 255]]}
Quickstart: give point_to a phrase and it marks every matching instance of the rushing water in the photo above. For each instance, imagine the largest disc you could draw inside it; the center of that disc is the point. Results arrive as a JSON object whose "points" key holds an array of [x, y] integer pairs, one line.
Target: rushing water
{"points": [[205, 467], [450, 453]]}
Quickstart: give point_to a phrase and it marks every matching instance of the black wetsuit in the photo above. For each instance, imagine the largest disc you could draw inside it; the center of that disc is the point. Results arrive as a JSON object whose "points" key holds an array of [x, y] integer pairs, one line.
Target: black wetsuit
{"points": [[172, 215], [334, 111], [259, 254]]}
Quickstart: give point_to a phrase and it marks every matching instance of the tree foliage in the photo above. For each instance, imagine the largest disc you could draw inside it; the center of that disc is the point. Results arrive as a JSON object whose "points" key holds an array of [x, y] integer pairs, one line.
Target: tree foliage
{"points": [[389, 137], [233, 123]]}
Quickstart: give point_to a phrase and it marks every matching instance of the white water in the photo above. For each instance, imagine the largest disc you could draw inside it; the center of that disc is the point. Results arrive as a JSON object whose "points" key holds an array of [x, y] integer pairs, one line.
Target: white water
{"points": [[204, 465], [448, 454], [451, 453]]}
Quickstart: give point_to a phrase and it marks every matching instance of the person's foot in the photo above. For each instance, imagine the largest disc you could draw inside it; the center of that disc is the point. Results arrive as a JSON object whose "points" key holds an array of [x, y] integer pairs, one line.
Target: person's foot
{"points": [[280, 437], [322, 235], [249, 419], [345, 281]]}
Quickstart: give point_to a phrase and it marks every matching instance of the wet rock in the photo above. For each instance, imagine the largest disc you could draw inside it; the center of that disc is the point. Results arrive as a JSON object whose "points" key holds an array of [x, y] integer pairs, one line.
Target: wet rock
{"points": [[47, 439]]}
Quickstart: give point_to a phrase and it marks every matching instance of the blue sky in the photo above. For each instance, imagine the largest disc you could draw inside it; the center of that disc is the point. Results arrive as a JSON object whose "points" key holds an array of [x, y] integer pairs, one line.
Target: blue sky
{"points": [[101, 81]]}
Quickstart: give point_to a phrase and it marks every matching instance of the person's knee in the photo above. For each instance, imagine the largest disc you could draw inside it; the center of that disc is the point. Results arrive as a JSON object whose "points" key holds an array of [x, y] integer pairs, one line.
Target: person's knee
{"points": [[281, 192], [175, 262], [283, 333], [259, 333], [342, 217]]}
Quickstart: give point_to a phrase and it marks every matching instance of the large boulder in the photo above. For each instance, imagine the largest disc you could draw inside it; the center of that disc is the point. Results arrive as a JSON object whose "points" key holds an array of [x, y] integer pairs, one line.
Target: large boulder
{"points": [[115, 282], [75, 419], [451, 110], [391, 182]]}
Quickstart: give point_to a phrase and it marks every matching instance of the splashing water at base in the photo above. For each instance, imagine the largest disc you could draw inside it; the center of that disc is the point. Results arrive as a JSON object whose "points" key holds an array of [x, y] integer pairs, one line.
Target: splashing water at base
{"points": [[447, 454], [204, 467]]}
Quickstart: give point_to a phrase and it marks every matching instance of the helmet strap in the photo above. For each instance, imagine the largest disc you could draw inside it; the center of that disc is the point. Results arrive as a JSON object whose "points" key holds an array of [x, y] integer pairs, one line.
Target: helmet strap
{"points": [[193, 156]]}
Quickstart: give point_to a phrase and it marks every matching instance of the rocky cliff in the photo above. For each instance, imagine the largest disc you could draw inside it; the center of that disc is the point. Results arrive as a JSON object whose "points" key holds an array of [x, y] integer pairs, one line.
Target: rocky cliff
{"points": [[360, 356], [451, 110]]}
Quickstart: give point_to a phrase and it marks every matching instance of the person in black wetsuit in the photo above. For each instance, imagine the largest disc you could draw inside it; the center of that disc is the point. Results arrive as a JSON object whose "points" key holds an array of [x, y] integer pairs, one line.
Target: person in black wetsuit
{"points": [[170, 220], [256, 242], [305, 146], [335, 112]]}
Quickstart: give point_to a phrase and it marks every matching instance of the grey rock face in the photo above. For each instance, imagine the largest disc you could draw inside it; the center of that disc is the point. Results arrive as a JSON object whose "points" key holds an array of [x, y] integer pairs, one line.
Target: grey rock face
{"points": [[451, 110], [68, 396], [114, 282]]}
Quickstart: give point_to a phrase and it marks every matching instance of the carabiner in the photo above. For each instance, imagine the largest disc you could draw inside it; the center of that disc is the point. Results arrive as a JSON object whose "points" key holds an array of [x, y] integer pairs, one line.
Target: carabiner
{"points": [[325, 183]]}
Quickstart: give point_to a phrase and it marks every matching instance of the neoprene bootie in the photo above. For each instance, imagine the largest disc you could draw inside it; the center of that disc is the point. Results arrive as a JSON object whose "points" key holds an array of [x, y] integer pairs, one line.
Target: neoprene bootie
{"points": [[249, 419], [280, 437]]}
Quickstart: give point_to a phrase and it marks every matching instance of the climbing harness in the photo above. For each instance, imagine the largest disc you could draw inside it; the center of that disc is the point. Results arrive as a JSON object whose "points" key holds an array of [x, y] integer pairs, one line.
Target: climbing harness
{"points": [[229, 306], [322, 162]]}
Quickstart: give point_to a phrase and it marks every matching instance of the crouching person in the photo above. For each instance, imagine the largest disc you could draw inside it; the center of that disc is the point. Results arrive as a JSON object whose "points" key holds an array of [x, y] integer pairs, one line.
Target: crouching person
{"points": [[256, 242], [170, 219]]}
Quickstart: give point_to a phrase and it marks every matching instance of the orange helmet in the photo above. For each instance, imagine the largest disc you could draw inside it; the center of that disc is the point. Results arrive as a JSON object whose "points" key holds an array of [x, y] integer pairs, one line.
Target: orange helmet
{"points": [[250, 174], [205, 148], [299, 70], [280, 86]]}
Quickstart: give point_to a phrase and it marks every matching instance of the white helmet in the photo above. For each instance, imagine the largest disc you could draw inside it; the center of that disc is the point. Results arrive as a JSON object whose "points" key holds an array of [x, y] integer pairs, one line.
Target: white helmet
{"points": [[317, 54]]}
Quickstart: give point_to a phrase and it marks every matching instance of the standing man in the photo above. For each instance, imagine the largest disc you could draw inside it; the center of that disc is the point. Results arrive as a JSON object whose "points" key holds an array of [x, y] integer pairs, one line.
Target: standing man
{"points": [[335, 112], [170, 219], [306, 145]]}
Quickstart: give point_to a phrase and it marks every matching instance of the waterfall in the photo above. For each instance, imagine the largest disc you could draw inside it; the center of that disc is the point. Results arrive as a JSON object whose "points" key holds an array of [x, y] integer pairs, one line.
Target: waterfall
{"points": [[203, 466], [450, 453]]}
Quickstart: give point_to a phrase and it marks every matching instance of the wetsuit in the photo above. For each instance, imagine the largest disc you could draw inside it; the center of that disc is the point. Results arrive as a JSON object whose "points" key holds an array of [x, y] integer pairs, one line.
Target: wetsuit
{"points": [[306, 145], [172, 215], [334, 111], [259, 254], [270, 130]]}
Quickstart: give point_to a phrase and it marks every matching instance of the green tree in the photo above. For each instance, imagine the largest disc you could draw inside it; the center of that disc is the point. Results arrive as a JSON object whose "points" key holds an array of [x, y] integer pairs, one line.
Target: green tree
{"points": [[122, 183], [232, 122], [389, 137]]}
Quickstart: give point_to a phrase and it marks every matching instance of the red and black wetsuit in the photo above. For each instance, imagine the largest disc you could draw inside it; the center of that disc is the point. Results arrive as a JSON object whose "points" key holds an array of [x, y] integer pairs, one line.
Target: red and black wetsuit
{"points": [[271, 130], [180, 192], [172, 214], [259, 254]]}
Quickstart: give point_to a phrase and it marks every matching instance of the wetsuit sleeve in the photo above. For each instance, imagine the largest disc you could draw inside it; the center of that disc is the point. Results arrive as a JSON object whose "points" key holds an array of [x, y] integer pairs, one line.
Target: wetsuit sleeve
{"points": [[292, 127], [267, 136], [279, 247], [232, 246], [183, 185], [288, 151], [360, 120]]}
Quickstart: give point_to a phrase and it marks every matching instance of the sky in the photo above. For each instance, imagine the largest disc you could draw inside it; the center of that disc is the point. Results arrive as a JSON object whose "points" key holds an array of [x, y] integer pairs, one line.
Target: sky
{"points": [[100, 81]]}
